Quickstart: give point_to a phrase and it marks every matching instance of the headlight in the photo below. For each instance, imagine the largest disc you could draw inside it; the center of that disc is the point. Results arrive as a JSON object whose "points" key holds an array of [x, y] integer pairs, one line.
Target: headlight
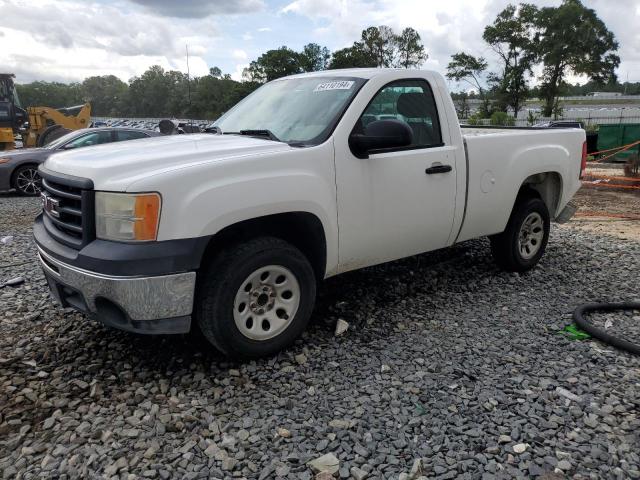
{"points": [[132, 217]]}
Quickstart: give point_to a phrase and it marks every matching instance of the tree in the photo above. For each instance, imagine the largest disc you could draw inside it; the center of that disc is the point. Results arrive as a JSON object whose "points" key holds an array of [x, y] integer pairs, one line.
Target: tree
{"points": [[511, 36], [410, 49], [461, 102], [107, 94], [149, 92], [467, 68], [274, 64], [352, 57], [314, 57], [573, 40], [380, 44], [215, 72], [50, 94]]}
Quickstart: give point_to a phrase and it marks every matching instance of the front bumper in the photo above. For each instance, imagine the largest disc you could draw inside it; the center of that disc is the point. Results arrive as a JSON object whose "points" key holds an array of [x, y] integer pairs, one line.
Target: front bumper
{"points": [[158, 304]]}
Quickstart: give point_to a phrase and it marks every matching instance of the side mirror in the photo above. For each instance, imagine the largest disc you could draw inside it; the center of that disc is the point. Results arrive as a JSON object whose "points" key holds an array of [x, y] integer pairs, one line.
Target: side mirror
{"points": [[379, 135]]}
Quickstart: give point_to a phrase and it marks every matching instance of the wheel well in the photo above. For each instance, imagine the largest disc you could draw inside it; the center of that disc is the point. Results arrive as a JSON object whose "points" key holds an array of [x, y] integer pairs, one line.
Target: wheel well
{"points": [[546, 186], [302, 229], [15, 172]]}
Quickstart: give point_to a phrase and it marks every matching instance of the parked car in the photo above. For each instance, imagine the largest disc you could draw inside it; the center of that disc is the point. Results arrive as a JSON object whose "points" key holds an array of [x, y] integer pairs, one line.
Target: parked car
{"points": [[19, 168], [233, 231]]}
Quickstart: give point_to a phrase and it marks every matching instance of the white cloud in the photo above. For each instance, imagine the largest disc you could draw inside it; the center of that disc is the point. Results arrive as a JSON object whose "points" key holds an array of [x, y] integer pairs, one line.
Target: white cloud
{"points": [[69, 40], [125, 45], [237, 73], [239, 54]]}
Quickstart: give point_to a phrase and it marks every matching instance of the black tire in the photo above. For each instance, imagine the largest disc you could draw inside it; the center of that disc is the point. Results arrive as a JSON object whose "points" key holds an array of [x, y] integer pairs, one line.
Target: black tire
{"points": [[50, 134], [221, 282], [27, 181], [506, 246]]}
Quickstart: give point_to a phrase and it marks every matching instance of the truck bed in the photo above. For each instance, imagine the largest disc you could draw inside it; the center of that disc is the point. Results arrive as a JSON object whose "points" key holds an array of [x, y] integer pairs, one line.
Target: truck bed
{"points": [[499, 158]]}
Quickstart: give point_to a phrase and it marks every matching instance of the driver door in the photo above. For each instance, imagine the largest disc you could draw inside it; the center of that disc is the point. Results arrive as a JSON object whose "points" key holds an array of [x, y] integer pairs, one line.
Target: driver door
{"points": [[400, 201]]}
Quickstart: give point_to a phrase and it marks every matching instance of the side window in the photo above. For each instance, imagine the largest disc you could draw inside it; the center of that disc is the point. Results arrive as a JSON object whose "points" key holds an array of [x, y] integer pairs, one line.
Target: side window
{"points": [[410, 101], [122, 135], [94, 138]]}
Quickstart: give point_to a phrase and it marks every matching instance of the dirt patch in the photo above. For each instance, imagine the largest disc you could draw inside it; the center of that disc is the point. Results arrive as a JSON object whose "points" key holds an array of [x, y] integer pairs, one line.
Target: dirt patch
{"points": [[609, 211]]}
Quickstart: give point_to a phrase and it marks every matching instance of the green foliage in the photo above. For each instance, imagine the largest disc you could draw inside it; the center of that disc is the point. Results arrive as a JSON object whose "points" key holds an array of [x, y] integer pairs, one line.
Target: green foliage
{"points": [[284, 61], [107, 94], [591, 127], [379, 43], [572, 39], [511, 36], [476, 119], [462, 105], [532, 118], [274, 64], [314, 58], [50, 94], [411, 51], [467, 68], [382, 47], [352, 57], [502, 119]]}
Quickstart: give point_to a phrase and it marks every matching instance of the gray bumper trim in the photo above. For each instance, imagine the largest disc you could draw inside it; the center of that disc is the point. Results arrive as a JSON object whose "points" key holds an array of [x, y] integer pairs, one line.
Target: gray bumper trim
{"points": [[141, 298]]}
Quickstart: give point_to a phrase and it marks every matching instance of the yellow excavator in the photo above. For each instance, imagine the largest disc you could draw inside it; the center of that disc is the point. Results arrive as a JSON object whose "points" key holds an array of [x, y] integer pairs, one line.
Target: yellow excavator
{"points": [[37, 125]]}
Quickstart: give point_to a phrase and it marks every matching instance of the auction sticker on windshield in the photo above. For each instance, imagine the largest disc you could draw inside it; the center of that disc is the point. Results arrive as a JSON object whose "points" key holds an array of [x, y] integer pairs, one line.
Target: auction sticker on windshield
{"points": [[340, 85]]}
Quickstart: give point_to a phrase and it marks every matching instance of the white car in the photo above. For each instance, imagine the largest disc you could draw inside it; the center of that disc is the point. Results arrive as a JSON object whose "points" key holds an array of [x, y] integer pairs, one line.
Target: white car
{"points": [[234, 230]]}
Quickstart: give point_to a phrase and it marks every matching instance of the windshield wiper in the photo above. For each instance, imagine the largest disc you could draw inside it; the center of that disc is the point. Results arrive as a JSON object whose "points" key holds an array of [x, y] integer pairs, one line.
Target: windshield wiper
{"points": [[260, 133]]}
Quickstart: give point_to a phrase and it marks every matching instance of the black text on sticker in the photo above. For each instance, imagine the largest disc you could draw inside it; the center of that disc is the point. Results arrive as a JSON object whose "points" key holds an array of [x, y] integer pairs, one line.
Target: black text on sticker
{"points": [[341, 85]]}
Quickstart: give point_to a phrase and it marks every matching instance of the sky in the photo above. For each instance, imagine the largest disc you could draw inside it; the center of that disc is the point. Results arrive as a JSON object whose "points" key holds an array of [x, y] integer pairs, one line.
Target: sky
{"points": [[69, 40]]}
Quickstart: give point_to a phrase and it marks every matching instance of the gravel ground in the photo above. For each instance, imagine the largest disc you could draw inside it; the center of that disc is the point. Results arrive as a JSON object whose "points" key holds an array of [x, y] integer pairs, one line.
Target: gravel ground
{"points": [[449, 367]]}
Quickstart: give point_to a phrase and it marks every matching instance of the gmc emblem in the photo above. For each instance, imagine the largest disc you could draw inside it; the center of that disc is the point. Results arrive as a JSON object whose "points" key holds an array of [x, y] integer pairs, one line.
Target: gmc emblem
{"points": [[50, 205]]}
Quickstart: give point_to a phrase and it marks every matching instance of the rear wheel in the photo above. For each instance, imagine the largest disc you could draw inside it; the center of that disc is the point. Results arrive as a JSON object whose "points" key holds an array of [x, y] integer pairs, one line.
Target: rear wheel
{"points": [[255, 298], [27, 180], [521, 246]]}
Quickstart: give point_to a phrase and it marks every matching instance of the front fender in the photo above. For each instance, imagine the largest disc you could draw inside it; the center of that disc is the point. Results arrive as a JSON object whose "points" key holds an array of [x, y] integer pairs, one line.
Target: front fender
{"points": [[204, 199]]}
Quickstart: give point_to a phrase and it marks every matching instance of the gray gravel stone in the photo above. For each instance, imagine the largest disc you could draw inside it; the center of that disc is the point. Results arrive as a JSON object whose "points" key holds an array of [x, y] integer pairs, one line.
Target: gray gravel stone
{"points": [[473, 363]]}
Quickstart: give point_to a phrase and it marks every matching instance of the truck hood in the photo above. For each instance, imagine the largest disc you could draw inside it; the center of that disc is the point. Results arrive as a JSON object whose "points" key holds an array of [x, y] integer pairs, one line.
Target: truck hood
{"points": [[115, 166]]}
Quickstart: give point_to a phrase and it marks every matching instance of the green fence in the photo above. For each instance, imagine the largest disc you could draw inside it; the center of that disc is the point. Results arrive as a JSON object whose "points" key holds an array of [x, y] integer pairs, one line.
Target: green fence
{"points": [[612, 136]]}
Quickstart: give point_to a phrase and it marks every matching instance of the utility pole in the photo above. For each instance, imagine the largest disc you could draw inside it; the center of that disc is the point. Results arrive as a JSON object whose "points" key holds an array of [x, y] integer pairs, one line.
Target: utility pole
{"points": [[188, 83], [626, 83]]}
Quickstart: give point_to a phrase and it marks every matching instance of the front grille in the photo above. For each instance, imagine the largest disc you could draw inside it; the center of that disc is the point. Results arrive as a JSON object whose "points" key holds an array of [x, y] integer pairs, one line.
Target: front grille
{"points": [[67, 211]]}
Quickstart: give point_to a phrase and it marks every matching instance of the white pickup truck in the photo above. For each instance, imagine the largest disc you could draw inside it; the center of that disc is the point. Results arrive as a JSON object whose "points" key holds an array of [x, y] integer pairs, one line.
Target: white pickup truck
{"points": [[309, 176]]}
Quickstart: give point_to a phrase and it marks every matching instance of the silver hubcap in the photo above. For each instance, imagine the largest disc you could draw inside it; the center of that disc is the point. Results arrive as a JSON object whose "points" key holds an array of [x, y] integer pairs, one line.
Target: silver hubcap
{"points": [[266, 302], [28, 181], [531, 235]]}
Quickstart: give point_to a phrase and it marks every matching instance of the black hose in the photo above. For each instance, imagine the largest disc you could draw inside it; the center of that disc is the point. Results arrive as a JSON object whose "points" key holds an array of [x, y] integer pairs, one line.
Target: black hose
{"points": [[600, 334]]}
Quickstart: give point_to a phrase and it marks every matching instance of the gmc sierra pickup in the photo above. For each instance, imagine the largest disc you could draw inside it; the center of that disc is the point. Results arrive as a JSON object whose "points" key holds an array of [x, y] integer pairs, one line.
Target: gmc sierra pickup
{"points": [[309, 176]]}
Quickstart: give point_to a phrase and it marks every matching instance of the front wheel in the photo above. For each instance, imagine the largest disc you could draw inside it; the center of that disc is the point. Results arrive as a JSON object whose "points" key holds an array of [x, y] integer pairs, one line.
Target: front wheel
{"points": [[521, 246], [27, 180], [256, 298]]}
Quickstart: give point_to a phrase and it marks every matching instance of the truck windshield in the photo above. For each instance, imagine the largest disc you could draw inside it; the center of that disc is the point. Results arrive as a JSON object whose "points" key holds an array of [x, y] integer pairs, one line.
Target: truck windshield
{"points": [[299, 111]]}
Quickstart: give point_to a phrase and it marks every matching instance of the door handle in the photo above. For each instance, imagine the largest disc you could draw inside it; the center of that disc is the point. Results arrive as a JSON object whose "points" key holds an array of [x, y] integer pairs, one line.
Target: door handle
{"points": [[438, 169]]}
